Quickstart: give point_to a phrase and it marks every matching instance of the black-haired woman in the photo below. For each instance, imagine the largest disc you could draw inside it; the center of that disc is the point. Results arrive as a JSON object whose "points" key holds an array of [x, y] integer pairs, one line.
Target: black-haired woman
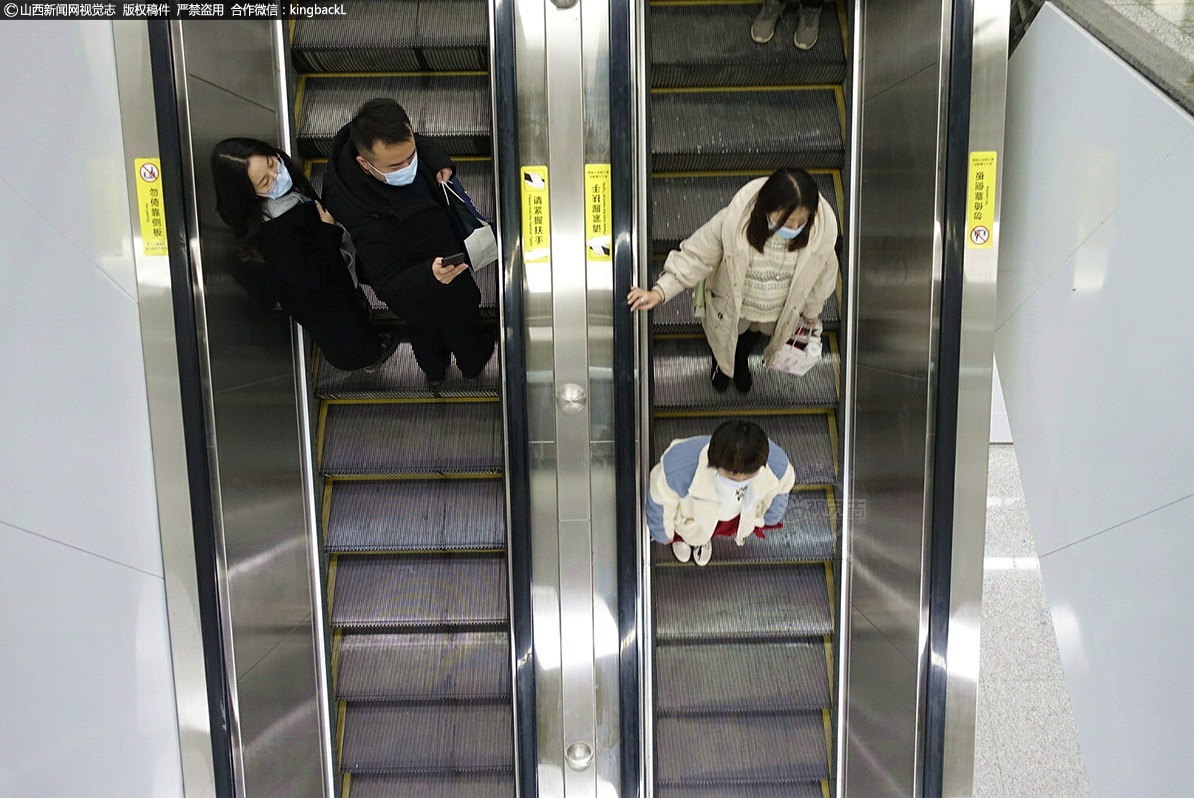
{"points": [[733, 483], [768, 262], [291, 251]]}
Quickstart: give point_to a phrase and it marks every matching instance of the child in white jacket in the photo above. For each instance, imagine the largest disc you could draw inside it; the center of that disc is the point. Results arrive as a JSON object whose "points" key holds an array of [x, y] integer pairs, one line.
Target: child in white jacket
{"points": [[732, 483]]}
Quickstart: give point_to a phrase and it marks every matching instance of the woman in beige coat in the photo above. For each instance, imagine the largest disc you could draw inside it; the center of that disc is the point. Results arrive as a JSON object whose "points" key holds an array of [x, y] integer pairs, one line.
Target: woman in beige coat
{"points": [[769, 264]]}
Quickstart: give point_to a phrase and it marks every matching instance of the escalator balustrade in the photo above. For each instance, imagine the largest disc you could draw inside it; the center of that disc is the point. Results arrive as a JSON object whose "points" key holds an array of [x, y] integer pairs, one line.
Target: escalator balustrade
{"points": [[413, 507]]}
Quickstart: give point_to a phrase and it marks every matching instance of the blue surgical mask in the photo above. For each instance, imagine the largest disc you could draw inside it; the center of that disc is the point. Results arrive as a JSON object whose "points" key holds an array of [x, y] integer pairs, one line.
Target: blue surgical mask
{"points": [[402, 177], [282, 183], [786, 232]]}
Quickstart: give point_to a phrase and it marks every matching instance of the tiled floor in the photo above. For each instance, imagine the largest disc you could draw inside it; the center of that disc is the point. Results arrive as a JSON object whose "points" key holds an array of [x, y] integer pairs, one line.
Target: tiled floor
{"points": [[1026, 743]]}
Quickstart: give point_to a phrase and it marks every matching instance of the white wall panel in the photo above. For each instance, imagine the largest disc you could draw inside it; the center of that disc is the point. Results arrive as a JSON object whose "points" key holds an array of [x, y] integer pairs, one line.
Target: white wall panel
{"points": [[1094, 349], [62, 148], [87, 683], [87, 686]]}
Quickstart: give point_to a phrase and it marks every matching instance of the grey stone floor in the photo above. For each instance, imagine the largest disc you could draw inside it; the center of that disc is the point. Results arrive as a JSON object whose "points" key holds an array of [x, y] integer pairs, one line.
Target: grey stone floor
{"points": [[1026, 743]]}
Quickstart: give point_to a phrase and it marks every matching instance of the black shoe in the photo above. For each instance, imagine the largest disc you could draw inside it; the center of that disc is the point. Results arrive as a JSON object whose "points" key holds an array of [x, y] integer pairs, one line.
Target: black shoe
{"points": [[746, 344], [434, 381], [488, 343], [721, 380], [389, 343]]}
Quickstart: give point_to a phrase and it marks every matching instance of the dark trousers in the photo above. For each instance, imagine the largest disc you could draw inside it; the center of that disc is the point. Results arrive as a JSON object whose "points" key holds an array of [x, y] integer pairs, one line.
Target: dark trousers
{"points": [[812, 3], [470, 343]]}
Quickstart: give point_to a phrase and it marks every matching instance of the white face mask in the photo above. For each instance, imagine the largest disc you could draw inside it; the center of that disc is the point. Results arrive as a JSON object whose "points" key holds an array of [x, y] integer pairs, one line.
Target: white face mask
{"points": [[401, 177], [282, 183], [734, 485], [786, 232]]}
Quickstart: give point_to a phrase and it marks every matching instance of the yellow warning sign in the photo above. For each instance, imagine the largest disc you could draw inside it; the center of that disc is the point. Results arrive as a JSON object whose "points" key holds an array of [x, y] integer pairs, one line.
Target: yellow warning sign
{"points": [[980, 202], [598, 241], [536, 221], [150, 206]]}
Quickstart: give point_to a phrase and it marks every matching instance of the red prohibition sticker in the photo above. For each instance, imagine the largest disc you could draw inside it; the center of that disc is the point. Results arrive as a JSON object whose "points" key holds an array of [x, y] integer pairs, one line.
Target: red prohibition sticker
{"points": [[148, 172]]}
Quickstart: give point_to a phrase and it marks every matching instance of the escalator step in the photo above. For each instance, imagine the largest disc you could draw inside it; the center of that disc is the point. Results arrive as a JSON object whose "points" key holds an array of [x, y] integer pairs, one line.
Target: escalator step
{"points": [[412, 438], [404, 592], [695, 679], [477, 177], [427, 737], [402, 36], [807, 536], [401, 378], [679, 205], [414, 666], [771, 128], [416, 515], [741, 748], [438, 785], [809, 789], [741, 602], [805, 438], [454, 109], [682, 367], [487, 280], [710, 45]]}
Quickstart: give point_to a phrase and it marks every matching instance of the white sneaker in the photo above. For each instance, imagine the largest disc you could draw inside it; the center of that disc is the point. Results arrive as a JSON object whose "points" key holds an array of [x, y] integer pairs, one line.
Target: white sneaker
{"points": [[763, 28], [808, 28], [682, 551], [702, 554]]}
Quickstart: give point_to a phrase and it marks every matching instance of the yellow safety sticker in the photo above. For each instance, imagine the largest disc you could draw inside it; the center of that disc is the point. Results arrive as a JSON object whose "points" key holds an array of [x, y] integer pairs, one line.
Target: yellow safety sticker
{"points": [[536, 221], [150, 206], [599, 243], [980, 202]]}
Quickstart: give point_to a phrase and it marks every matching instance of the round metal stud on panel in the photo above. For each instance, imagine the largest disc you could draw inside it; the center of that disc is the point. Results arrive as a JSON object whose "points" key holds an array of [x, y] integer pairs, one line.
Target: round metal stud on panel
{"points": [[564, 3], [571, 399], [580, 756]]}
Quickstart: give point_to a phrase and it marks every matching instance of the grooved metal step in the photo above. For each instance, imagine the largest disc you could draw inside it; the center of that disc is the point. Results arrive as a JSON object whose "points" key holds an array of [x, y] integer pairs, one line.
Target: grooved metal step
{"points": [[454, 109], [477, 177], [807, 536], [437, 785], [487, 280], [805, 438], [420, 591], [741, 602], [421, 666], [741, 678], [395, 36], [421, 737], [682, 368], [680, 205], [401, 378], [778, 748], [416, 515], [412, 438], [769, 128], [683, 53], [809, 789]]}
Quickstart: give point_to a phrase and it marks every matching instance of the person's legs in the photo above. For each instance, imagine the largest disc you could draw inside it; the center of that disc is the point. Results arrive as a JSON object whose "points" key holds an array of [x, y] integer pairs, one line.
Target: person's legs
{"points": [[473, 346], [763, 28], [808, 24], [746, 345], [431, 353]]}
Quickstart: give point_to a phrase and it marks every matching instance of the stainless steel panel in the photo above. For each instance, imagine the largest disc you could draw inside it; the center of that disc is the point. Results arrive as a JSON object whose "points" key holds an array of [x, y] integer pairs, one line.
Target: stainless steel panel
{"points": [[988, 93], [233, 58], [898, 151], [530, 55], [262, 504], [160, 347]]}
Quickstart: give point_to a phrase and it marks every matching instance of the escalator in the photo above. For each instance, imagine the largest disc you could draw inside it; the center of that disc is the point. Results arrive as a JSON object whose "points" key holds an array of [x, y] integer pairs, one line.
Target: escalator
{"points": [[743, 663], [413, 505]]}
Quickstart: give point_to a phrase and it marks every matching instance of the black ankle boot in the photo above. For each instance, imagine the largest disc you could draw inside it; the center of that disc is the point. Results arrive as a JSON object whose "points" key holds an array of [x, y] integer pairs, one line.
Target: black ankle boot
{"points": [[746, 344], [721, 380]]}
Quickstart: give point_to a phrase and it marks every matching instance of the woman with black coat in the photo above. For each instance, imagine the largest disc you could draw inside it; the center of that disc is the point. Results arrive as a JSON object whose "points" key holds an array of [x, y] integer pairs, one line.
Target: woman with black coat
{"points": [[291, 252]]}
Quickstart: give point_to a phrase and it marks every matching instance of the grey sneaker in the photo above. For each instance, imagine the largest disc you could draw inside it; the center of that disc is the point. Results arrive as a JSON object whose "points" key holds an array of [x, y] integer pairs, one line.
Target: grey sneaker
{"points": [[808, 28], [763, 28]]}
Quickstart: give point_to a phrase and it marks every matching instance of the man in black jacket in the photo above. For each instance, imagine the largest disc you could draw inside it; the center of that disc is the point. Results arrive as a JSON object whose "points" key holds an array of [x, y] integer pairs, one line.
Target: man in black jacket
{"points": [[383, 184]]}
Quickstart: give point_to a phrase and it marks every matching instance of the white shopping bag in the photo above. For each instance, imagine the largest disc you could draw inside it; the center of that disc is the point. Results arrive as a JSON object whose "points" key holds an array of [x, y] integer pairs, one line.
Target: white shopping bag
{"points": [[801, 352]]}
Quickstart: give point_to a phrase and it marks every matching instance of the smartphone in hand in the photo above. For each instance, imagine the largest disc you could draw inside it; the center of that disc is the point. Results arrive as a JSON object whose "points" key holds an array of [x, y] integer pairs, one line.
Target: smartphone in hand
{"points": [[455, 260]]}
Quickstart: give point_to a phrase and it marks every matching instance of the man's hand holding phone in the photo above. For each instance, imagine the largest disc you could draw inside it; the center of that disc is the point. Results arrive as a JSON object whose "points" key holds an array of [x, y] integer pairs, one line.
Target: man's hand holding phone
{"points": [[448, 269]]}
